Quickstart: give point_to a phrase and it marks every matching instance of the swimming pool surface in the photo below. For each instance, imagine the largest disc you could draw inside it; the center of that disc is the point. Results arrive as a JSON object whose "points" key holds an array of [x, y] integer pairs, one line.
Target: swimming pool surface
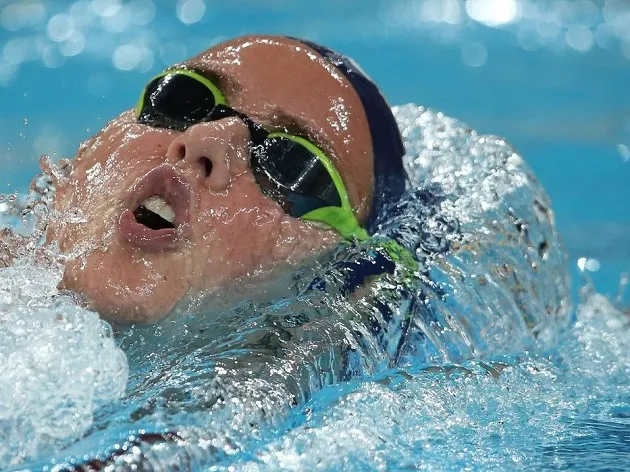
{"points": [[551, 77]]}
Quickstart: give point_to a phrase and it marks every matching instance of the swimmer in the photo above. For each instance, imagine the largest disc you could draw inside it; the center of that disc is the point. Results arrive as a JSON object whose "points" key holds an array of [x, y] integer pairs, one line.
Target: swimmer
{"points": [[253, 155]]}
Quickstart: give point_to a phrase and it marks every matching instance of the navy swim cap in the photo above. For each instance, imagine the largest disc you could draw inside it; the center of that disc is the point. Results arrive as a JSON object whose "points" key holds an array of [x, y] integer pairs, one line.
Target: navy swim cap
{"points": [[387, 145]]}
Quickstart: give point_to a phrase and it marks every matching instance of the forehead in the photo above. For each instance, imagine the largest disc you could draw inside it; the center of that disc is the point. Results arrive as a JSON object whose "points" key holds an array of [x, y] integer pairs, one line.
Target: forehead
{"points": [[284, 82]]}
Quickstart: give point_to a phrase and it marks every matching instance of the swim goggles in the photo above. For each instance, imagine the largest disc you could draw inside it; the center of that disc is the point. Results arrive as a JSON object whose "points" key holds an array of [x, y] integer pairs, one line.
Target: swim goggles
{"points": [[289, 169]]}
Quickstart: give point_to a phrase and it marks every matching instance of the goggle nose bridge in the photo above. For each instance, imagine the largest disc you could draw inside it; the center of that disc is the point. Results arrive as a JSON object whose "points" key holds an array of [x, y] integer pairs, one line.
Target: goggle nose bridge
{"points": [[333, 215]]}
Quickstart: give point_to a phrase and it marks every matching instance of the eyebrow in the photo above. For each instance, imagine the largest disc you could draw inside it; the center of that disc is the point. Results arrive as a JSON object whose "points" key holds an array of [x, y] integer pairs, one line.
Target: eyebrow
{"points": [[299, 127], [209, 74], [289, 123]]}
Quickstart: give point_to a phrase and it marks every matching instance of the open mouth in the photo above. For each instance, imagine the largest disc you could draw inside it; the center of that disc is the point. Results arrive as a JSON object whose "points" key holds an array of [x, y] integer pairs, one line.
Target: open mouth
{"points": [[155, 213], [157, 210]]}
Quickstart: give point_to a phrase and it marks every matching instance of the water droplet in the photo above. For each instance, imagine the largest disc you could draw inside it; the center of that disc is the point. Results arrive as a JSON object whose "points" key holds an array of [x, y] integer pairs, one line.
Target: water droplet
{"points": [[624, 151]]}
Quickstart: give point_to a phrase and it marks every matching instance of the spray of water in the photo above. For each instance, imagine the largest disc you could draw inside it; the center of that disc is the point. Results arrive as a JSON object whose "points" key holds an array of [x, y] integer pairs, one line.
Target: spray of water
{"points": [[469, 361], [59, 361]]}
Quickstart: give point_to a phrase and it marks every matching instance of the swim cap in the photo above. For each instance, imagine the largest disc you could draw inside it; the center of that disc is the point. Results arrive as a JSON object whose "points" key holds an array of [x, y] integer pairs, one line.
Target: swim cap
{"points": [[387, 145]]}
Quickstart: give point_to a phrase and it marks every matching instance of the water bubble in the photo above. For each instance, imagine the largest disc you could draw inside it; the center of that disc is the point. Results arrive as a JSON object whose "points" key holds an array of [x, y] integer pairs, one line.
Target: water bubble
{"points": [[474, 54], [60, 27], [20, 15], [579, 37], [74, 45], [190, 11], [106, 7], [586, 264], [493, 12], [142, 11]]}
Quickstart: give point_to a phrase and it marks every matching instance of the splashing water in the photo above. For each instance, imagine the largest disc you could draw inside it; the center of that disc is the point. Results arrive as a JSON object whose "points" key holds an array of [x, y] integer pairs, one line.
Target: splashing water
{"points": [[565, 411], [59, 361], [59, 364], [472, 361]]}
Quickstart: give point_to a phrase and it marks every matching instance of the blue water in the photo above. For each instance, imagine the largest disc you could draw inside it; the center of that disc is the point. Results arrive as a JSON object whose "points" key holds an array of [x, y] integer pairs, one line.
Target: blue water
{"points": [[553, 82]]}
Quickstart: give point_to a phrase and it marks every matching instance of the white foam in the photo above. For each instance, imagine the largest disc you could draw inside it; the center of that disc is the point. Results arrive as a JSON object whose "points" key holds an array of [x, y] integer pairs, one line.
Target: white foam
{"points": [[58, 363]]}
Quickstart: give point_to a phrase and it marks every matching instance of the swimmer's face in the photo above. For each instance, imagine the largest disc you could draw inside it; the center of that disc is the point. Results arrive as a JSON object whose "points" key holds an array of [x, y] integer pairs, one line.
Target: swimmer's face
{"points": [[225, 228]]}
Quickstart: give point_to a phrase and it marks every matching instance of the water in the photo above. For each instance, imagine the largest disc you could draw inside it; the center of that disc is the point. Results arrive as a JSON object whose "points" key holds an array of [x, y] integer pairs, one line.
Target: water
{"points": [[243, 387], [568, 410], [556, 400], [60, 363]]}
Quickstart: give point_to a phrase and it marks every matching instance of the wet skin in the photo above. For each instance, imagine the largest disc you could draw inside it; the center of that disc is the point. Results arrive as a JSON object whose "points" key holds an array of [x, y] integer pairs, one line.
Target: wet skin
{"points": [[225, 228]]}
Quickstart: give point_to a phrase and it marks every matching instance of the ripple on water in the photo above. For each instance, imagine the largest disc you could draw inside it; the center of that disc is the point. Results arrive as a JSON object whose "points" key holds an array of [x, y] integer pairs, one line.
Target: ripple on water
{"points": [[564, 410]]}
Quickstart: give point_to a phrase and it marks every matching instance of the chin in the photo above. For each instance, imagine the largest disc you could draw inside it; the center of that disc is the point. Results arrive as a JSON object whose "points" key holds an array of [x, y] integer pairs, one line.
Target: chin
{"points": [[120, 308], [138, 313], [126, 293]]}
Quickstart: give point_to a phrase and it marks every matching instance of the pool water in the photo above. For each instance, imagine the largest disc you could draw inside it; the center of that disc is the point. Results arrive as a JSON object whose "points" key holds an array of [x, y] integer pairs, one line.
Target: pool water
{"points": [[548, 76]]}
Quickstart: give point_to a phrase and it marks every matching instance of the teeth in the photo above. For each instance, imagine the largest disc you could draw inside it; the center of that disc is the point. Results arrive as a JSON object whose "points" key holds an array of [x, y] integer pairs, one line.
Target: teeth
{"points": [[161, 207]]}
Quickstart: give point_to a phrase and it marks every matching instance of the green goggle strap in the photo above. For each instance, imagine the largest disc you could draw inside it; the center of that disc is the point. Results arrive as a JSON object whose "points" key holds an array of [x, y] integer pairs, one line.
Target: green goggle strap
{"points": [[342, 218], [400, 255]]}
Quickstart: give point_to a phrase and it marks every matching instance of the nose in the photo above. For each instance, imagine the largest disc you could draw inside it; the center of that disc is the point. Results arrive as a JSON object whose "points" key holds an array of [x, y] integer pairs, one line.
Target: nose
{"points": [[213, 151]]}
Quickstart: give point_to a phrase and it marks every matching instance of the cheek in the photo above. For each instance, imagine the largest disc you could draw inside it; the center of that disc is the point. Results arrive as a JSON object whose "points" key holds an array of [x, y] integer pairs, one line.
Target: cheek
{"points": [[299, 239], [85, 215], [241, 203], [242, 233], [239, 225], [128, 287]]}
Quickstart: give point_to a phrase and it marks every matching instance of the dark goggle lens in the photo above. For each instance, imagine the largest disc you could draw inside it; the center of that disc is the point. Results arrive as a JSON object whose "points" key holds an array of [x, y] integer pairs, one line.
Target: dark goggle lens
{"points": [[286, 170], [176, 99], [299, 181]]}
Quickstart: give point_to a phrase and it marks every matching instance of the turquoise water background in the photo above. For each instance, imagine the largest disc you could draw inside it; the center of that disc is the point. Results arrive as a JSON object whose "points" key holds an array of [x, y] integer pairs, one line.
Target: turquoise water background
{"points": [[550, 76]]}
